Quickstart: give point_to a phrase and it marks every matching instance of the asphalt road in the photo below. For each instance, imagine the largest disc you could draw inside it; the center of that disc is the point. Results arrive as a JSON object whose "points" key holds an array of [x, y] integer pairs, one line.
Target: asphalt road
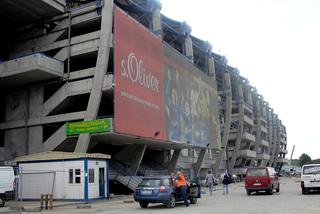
{"points": [[289, 200]]}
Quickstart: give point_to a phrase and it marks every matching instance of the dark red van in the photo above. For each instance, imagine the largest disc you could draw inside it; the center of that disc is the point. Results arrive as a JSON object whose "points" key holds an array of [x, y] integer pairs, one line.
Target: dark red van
{"points": [[261, 179]]}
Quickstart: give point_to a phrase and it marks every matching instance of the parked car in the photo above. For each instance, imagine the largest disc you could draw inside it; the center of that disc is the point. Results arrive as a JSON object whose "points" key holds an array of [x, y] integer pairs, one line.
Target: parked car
{"points": [[261, 179], [235, 178], [7, 183], [162, 190], [310, 178]]}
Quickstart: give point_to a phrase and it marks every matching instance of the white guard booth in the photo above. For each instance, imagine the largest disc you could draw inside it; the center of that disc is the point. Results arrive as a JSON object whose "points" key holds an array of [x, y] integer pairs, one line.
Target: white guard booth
{"points": [[75, 176]]}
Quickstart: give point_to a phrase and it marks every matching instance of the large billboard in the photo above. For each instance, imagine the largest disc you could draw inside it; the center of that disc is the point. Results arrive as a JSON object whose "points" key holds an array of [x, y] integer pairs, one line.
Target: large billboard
{"points": [[158, 92], [138, 68], [191, 107]]}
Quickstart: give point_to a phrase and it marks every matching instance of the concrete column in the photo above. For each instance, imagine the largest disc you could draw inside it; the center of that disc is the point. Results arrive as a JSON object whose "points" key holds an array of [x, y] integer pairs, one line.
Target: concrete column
{"points": [[156, 17], [15, 139], [270, 129], [174, 160], [99, 74], [197, 166], [211, 68], [240, 130], [210, 60], [188, 48], [137, 159], [226, 131], [35, 135], [258, 123], [134, 160], [277, 143]]}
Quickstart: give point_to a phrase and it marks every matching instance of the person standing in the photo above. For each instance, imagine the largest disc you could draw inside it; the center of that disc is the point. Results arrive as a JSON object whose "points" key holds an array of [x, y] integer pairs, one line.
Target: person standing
{"points": [[226, 180], [182, 186], [210, 180]]}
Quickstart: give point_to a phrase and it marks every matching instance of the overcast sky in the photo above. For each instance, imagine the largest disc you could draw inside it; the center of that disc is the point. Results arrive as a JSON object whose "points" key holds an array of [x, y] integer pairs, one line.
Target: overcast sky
{"points": [[276, 45]]}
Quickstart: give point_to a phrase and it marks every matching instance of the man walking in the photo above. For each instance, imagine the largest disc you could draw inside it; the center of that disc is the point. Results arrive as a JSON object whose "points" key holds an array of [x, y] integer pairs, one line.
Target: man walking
{"points": [[226, 180], [182, 186], [210, 180]]}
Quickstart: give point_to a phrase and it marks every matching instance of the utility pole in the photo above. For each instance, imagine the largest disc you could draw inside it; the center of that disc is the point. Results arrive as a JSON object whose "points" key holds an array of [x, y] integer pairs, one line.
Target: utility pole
{"points": [[291, 155]]}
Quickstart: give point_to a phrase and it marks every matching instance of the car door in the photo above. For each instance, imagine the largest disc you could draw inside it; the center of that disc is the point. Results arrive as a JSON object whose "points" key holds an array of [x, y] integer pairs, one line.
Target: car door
{"points": [[274, 178]]}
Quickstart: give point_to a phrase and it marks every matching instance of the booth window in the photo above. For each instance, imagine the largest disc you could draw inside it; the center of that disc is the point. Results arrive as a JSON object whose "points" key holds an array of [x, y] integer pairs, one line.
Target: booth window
{"points": [[91, 175], [77, 176], [70, 176]]}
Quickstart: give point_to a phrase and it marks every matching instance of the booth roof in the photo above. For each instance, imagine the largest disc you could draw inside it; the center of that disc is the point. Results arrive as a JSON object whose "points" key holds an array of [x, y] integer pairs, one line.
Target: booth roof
{"points": [[43, 156]]}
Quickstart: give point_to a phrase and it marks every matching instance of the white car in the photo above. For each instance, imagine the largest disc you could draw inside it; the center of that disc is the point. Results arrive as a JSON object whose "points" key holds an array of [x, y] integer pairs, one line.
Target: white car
{"points": [[7, 182], [310, 178]]}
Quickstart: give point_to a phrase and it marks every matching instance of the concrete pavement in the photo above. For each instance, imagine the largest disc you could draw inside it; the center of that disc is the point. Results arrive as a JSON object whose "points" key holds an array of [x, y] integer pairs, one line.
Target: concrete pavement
{"points": [[290, 200]]}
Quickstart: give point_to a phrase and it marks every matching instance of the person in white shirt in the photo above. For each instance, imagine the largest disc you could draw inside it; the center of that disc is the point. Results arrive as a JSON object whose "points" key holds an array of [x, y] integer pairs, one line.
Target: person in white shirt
{"points": [[210, 180]]}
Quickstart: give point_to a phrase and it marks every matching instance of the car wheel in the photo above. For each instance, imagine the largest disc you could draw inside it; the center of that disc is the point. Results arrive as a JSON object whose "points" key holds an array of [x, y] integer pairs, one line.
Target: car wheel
{"points": [[278, 189], [143, 204], [304, 191], [172, 202], [2, 201], [248, 192], [193, 200], [271, 190]]}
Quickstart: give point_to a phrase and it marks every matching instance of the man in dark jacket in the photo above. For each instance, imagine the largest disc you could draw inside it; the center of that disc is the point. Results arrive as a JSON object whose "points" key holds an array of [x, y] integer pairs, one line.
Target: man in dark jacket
{"points": [[226, 180]]}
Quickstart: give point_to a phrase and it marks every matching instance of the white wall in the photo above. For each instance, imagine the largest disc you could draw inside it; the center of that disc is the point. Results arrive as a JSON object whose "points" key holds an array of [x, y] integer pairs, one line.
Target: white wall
{"points": [[94, 187], [33, 185], [38, 179]]}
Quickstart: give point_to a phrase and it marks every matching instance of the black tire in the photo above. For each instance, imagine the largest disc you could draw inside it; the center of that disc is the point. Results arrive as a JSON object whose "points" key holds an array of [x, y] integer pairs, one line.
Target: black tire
{"points": [[172, 202], [304, 191], [270, 191], [278, 189], [2, 201], [193, 200], [248, 192], [143, 204]]}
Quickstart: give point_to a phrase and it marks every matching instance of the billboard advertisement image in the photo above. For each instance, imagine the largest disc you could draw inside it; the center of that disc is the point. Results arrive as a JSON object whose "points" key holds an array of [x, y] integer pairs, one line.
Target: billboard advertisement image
{"points": [[138, 68], [190, 98]]}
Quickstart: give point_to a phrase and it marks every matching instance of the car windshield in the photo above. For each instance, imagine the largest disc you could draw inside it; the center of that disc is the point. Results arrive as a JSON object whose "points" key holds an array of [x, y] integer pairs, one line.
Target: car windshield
{"points": [[309, 170], [257, 172], [150, 182]]}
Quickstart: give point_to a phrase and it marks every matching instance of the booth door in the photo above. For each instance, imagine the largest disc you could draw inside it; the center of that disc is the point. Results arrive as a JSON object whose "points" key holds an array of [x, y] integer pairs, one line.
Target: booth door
{"points": [[101, 182]]}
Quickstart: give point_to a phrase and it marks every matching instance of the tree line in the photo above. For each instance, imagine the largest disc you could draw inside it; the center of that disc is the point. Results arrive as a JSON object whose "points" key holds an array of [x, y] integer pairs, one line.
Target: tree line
{"points": [[306, 159]]}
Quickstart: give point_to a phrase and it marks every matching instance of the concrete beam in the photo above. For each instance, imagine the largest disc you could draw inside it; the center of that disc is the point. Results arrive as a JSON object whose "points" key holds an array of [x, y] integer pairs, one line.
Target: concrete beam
{"points": [[55, 140], [101, 67], [137, 159], [68, 89], [174, 160], [78, 49], [80, 74], [28, 69], [77, 42], [43, 120], [197, 166], [71, 89]]}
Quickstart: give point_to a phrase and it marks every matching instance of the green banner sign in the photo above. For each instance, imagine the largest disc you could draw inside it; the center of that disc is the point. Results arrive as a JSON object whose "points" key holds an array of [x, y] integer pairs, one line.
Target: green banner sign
{"points": [[92, 126]]}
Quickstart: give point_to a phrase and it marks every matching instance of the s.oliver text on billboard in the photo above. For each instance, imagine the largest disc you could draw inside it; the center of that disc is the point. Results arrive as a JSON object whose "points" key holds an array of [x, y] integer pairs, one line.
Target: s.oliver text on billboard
{"points": [[138, 64], [134, 70]]}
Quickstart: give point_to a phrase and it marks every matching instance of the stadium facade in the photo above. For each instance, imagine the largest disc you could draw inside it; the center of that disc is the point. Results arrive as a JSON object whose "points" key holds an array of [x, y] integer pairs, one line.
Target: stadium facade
{"points": [[118, 77]]}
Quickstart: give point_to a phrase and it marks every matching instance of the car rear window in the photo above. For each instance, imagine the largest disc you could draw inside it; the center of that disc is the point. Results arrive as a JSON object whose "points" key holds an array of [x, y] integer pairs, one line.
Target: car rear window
{"points": [[257, 172], [309, 170], [150, 182]]}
